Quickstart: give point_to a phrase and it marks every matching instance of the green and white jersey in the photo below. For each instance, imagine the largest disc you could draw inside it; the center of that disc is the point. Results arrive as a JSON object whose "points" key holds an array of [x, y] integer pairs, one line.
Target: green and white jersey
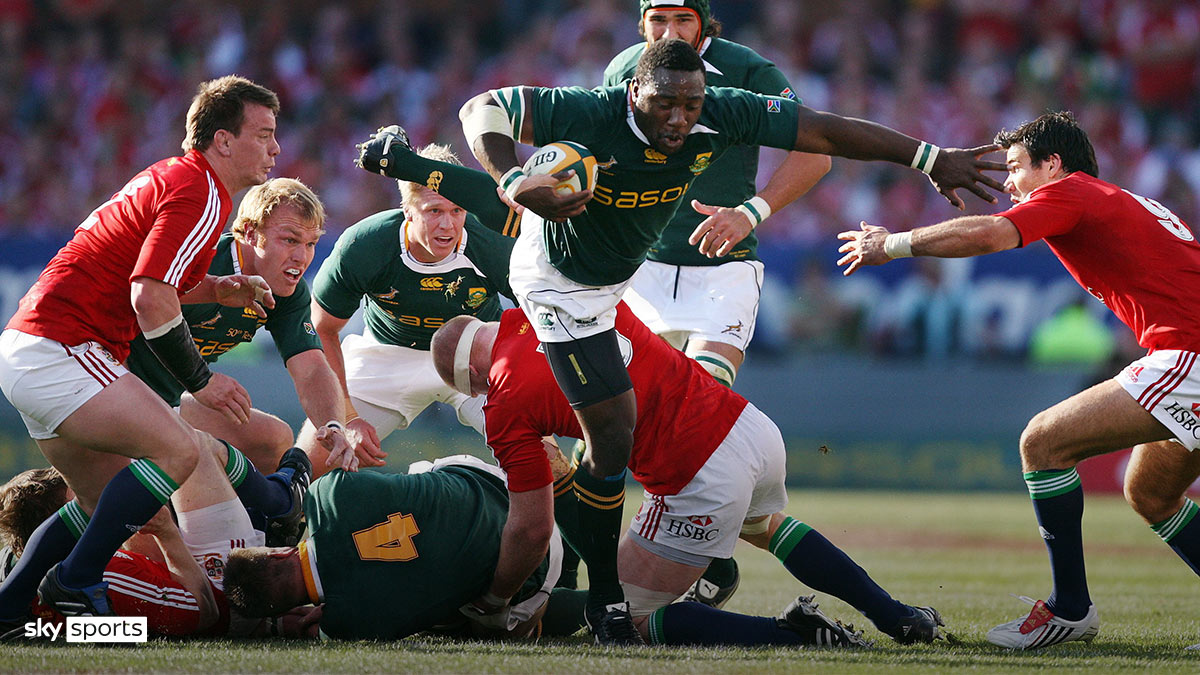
{"points": [[638, 188], [395, 554], [408, 300], [217, 329], [730, 180]]}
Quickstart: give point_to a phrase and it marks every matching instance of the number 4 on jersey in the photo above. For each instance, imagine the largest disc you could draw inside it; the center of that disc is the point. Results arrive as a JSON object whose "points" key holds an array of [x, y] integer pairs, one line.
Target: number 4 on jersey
{"points": [[389, 541]]}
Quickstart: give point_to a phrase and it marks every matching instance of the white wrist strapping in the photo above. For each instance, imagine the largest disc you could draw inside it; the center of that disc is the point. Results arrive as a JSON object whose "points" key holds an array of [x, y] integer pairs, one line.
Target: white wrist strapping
{"points": [[898, 245], [493, 600], [486, 119], [511, 181], [462, 357], [335, 424], [756, 209], [925, 156], [165, 328]]}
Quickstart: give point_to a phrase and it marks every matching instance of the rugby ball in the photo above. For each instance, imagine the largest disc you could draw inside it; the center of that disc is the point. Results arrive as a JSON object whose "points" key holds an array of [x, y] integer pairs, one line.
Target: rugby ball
{"points": [[561, 156]]}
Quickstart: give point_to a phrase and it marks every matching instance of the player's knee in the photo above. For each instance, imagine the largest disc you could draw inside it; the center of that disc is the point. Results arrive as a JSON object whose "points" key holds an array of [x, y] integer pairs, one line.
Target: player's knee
{"points": [[1150, 502], [721, 368], [180, 460], [608, 450], [1038, 447]]}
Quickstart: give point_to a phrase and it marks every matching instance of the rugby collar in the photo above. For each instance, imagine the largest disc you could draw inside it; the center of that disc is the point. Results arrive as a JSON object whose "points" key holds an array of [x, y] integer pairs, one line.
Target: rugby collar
{"points": [[412, 263], [696, 129], [708, 66]]}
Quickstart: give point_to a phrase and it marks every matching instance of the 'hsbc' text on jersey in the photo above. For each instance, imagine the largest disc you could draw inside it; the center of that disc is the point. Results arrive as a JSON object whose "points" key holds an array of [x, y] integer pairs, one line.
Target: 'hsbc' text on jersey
{"points": [[686, 530]]}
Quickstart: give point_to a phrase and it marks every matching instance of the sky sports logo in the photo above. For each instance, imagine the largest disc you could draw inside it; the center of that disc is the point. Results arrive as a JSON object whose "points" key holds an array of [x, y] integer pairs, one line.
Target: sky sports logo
{"points": [[90, 629]]}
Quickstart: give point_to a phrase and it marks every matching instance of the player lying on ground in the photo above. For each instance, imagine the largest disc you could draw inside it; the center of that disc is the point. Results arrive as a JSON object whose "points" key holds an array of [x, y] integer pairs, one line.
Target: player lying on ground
{"points": [[173, 576], [712, 467], [274, 237], [416, 267], [570, 266], [1135, 256], [390, 555]]}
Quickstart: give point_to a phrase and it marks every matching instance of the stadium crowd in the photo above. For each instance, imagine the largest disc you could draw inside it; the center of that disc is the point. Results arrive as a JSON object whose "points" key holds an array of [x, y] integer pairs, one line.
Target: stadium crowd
{"points": [[99, 82]]}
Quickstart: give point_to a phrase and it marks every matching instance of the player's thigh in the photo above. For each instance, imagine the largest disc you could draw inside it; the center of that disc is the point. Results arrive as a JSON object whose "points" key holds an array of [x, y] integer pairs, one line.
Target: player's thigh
{"points": [[651, 581], [1158, 476], [127, 418], [263, 439], [1101, 419], [86, 471]]}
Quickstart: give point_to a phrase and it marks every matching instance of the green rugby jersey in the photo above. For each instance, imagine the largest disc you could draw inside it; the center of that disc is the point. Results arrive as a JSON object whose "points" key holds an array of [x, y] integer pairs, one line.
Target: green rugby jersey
{"points": [[217, 328], [408, 300], [396, 554], [638, 188], [730, 180]]}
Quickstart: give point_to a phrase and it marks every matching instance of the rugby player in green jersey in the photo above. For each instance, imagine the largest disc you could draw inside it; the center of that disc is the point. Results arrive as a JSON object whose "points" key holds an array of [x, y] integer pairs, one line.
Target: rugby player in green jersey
{"points": [[570, 266], [416, 266], [389, 555], [274, 236], [704, 300]]}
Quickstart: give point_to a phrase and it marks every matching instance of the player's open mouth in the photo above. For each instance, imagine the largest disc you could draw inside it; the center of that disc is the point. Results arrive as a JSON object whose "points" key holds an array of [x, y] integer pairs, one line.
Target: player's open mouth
{"points": [[444, 241], [292, 274]]}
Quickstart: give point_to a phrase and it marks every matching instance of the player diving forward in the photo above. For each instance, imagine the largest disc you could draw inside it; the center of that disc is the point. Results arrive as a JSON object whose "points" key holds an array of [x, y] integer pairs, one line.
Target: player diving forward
{"points": [[570, 267]]}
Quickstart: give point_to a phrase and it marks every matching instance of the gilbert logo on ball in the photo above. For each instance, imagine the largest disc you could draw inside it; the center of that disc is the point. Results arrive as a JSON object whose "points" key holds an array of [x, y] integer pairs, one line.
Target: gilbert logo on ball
{"points": [[561, 156]]}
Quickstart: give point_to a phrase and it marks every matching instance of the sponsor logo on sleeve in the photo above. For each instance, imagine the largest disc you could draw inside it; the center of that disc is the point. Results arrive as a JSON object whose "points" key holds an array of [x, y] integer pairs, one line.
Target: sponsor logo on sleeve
{"points": [[773, 105], [788, 94]]}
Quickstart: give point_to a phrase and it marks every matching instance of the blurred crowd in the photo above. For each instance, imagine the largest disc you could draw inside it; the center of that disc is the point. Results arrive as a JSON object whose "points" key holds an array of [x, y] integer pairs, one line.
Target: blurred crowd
{"points": [[91, 91]]}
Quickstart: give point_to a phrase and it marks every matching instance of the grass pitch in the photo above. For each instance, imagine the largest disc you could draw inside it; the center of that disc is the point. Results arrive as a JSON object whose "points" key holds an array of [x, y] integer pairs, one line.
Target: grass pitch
{"points": [[964, 554]]}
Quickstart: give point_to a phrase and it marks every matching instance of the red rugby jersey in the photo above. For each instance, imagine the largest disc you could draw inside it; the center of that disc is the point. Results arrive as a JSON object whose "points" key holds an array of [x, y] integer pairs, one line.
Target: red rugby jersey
{"points": [[683, 412], [163, 224], [1128, 251]]}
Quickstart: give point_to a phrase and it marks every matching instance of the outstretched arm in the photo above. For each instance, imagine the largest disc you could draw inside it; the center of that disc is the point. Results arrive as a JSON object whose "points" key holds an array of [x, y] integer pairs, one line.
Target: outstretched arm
{"points": [[948, 169], [957, 238]]}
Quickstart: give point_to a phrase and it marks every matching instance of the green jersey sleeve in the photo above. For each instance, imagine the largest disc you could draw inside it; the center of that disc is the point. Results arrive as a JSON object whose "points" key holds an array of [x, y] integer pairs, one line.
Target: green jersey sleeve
{"points": [[345, 274], [290, 323], [752, 119], [471, 189], [564, 113], [622, 65]]}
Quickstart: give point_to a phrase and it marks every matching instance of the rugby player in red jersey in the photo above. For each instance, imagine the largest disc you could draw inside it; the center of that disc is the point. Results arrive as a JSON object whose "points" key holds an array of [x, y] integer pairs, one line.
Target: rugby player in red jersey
{"points": [[126, 269], [1140, 260], [712, 466]]}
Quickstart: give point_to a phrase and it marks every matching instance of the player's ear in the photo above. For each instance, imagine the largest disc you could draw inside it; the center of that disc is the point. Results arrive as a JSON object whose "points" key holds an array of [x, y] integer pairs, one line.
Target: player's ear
{"points": [[223, 140]]}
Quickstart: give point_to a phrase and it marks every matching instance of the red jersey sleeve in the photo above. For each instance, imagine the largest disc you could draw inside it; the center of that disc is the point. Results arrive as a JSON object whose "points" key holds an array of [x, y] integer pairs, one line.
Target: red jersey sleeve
{"points": [[1049, 211], [181, 233], [138, 586], [517, 446]]}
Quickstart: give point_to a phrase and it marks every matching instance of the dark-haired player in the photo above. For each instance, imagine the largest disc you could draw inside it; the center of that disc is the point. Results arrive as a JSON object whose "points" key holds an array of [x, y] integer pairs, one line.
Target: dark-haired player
{"points": [[126, 270], [1137, 257], [569, 268], [704, 299]]}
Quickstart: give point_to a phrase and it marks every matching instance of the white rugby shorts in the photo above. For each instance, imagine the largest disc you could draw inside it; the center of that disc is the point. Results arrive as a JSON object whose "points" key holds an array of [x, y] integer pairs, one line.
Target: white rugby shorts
{"points": [[743, 479], [559, 309], [403, 380], [46, 380], [714, 304], [1167, 384]]}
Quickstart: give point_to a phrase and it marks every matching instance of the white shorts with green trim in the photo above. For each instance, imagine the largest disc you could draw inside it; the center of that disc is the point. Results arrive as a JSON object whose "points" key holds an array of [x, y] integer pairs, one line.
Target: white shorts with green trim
{"points": [[559, 309], [403, 380], [714, 304], [743, 479]]}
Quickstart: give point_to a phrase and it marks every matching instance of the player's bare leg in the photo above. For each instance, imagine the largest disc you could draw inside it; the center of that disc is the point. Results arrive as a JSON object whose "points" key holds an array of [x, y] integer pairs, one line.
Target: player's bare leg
{"points": [[1099, 420], [128, 421], [263, 439], [1156, 482]]}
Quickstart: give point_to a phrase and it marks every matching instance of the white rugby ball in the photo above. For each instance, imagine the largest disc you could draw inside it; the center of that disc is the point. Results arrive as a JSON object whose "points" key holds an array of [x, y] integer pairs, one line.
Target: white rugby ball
{"points": [[561, 156]]}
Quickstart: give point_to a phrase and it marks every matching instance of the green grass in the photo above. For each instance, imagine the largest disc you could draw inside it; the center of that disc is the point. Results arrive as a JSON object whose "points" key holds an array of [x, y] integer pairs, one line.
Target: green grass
{"points": [[963, 554]]}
